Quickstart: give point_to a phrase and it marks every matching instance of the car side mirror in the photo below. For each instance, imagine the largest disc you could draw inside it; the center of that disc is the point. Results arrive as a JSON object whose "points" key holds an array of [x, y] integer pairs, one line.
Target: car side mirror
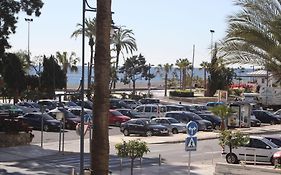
{"points": [[268, 147]]}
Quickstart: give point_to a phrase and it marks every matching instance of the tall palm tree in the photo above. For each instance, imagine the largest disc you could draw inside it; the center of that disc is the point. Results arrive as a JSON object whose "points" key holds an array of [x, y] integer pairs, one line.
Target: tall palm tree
{"points": [[204, 65], [166, 68], [254, 35], [123, 39], [90, 32], [67, 62], [184, 65], [100, 141]]}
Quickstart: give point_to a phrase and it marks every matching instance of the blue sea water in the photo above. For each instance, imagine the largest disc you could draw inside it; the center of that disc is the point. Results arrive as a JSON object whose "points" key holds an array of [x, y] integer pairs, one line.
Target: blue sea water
{"points": [[74, 78]]}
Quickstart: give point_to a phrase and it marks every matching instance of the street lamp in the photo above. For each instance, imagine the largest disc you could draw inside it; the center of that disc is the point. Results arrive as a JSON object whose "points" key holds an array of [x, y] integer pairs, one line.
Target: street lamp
{"points": [[212, 33], [28, 20], [149, 84]]}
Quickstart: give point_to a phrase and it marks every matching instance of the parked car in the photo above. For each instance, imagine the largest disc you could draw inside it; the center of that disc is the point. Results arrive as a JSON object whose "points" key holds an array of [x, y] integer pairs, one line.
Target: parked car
{"points": [[185, 117], [213, 104], [143, 126], [117, 103], [278, 112], [116, 118], [49, 104], [11, 110], [70, 104], [202, 108], [34, 120], [215, 120], [174, 108], [78, 110], [190, 108], [275, 139], [149, 101], [131, 103], [254, 121], [87, 104], [266, 117], [258, 148], [174, 125], [71, 120], [130, 113], [151, 110]]}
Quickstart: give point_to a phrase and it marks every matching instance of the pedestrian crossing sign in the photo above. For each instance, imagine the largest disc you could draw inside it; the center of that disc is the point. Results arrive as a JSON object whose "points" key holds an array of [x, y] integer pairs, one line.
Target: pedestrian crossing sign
{"points": [[190, 144]]}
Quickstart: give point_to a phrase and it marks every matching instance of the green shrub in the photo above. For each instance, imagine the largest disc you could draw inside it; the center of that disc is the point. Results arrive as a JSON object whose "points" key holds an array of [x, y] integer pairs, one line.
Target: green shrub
{"points": [[182, 93]]}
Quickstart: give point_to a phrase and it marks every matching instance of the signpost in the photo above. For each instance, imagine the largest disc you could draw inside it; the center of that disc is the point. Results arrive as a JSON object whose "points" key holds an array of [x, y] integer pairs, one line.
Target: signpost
{"points": [[191, 140]]}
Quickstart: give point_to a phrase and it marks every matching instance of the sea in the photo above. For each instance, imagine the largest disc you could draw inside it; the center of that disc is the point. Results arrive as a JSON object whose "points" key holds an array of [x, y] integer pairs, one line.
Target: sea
{"points": [[74, 78]]}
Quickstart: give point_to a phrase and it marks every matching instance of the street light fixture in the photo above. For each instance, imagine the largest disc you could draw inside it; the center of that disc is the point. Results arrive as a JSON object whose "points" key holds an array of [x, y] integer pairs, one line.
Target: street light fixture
{"points": [[212, 33], [28, 20]]}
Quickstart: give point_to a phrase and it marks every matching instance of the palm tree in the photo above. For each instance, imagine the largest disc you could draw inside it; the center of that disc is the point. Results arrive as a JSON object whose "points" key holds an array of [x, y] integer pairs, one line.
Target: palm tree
{"points": [[204, 65], [90, 32], [166, 68], [67, 62], [123, 39], [100, 142], [254, 35], [223, 112], [183, 65]]}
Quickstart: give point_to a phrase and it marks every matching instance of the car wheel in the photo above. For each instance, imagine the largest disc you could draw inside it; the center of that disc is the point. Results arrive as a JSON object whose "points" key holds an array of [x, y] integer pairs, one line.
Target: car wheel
{"points": [[217, 127], [126, 132], [117, 124], [231, 158], [46, 128], [148, 133], [174, 131], [272, 161], [67, 126], [272, 122]]}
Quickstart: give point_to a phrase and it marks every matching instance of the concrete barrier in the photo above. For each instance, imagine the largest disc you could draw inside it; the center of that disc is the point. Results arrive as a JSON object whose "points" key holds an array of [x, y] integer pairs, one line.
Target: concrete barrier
{"points": [[15, 139], [238, 169]]}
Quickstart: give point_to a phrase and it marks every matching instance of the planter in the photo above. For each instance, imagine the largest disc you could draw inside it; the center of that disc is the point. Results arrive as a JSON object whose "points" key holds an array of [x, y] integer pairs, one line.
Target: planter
{"points": [[15, 139]]}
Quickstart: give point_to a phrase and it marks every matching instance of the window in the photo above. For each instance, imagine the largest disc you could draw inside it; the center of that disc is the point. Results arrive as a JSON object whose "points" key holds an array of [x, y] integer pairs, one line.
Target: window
{"points": [[154, 109], [255, 143], [147, 109], [140, 109]]}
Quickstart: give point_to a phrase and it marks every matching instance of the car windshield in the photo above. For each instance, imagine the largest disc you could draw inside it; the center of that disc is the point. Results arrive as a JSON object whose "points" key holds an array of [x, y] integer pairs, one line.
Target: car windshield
{"points": [[47, 117], [270, 143], [116, 113], [172, 120], [70, 103]]}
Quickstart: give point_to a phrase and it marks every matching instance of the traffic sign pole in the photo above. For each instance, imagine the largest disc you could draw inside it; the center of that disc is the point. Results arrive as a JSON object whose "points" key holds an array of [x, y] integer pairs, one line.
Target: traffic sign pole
{"points": [[191, 141]]}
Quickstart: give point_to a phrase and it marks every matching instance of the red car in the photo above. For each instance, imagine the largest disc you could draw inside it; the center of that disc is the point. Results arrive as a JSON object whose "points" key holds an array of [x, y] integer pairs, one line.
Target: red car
{"points": [[116, 118]]}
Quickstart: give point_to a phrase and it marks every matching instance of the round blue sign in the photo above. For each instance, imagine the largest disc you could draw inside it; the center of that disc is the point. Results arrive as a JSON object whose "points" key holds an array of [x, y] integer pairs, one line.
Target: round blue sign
{"points": [[192, 128]]}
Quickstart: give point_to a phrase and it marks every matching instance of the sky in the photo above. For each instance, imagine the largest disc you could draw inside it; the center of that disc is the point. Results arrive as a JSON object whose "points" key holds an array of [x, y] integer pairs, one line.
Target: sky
{"points": [[165, 30]]}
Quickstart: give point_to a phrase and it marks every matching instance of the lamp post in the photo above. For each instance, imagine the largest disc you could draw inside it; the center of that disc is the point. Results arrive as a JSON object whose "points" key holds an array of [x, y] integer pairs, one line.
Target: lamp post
{"points": [[149, 84], [28, 20], [212, 34]]}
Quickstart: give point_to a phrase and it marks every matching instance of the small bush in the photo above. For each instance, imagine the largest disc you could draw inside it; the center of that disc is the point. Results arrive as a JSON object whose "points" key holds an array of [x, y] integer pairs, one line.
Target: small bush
{"points": [[182, 93]]}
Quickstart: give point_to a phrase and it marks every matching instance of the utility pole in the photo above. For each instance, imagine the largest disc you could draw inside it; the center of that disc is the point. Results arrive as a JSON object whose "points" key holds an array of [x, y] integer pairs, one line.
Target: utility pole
{"points": [[28, 20]]}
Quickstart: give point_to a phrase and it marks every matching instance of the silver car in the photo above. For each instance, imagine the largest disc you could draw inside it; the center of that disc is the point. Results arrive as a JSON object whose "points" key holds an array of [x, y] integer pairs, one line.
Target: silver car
{"points": [[172, 124]]}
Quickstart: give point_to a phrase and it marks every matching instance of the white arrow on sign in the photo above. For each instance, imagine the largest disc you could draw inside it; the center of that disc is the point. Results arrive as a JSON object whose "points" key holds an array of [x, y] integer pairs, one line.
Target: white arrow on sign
{"points": [[192, 130]]}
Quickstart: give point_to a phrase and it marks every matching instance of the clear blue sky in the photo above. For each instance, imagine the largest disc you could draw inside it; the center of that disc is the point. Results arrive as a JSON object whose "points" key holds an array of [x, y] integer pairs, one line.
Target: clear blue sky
{"points": [[165, 30]]}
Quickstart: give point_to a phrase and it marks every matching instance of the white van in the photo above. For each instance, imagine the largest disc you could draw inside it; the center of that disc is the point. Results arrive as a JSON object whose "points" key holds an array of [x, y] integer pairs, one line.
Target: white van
{"points": [[251, 97], [151, 110]]}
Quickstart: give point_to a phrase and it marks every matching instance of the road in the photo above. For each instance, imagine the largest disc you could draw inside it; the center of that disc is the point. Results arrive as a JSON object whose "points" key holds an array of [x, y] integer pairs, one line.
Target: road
{"points": [[171, 154]]}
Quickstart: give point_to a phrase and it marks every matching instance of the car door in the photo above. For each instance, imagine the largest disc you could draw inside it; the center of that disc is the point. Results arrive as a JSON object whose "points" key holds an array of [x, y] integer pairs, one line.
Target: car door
{"points": [[256, 150], [140, 127]]}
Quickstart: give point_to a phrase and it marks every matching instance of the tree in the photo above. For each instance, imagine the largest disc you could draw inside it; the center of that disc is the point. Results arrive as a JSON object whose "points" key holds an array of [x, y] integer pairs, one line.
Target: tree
{"points": [[133, 69], [253, 35], [123, 39], [9, 9], [204, 65], [132, 149], [223, 112], [166, 68], [219, 77], [52, 76], [24, 59], [100, 141], [13, 75], [183, 65], [67, 62], [232, 140], [90, 32]]}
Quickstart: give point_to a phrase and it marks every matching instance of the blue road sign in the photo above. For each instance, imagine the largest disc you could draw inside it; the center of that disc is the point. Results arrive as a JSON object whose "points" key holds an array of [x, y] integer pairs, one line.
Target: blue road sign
{"points": [[191, 144], [192, 128]]}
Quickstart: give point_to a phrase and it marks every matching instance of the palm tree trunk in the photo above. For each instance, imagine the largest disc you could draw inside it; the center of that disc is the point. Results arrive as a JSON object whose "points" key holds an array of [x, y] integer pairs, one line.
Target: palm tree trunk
{"points": [[134, 87], [184, 79], [100, 141], [116, 66], [205, 80], [166, 84]]}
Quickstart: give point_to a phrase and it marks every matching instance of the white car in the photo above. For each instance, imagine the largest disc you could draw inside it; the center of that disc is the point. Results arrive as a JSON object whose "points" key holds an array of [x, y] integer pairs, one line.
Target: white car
{"points": [[258, 149], [151, 110]]}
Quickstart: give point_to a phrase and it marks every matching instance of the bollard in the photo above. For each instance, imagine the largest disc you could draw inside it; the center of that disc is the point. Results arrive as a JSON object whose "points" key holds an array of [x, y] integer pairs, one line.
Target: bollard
{"points": [[72, 171], [121, 164], [159, 159], [140, 162]]}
